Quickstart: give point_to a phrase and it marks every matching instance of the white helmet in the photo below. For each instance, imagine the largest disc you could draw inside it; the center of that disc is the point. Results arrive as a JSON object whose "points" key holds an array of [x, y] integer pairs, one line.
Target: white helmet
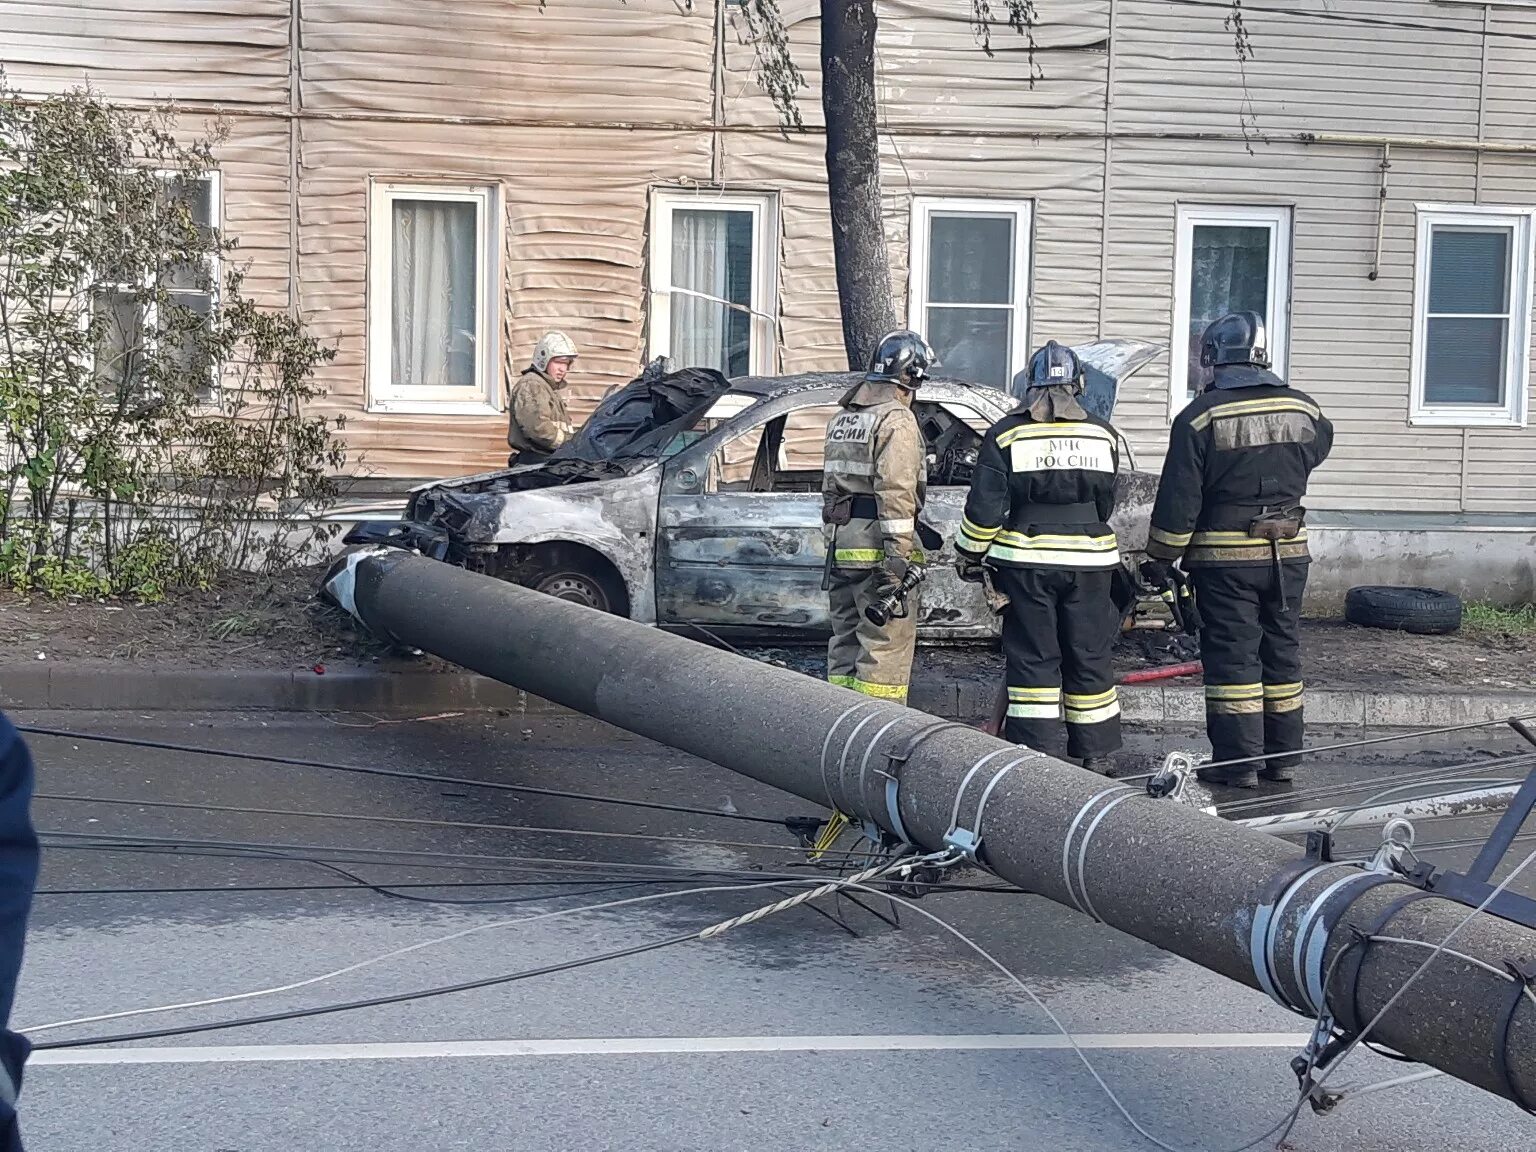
{"points": [[553, 346]]}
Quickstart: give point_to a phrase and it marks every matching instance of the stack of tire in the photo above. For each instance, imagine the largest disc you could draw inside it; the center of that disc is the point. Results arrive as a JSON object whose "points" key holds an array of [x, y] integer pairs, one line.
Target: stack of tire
{"points": [[1422, 611]]}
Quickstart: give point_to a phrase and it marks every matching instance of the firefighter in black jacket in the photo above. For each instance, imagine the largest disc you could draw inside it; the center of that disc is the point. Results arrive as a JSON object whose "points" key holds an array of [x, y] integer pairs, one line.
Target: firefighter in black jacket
{"points": [[1037, 514], [1229, 506]]}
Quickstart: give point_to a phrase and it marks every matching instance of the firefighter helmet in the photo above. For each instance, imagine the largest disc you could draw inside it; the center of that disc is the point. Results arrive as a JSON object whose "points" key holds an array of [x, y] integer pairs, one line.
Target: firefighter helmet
{"points": [[553, 346], [1236, 338], [902, 358], [1055, 364]]}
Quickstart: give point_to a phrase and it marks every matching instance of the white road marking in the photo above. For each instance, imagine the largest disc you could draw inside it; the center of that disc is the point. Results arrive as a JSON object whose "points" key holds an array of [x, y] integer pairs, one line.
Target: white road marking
{"points": [[659, 1046]]}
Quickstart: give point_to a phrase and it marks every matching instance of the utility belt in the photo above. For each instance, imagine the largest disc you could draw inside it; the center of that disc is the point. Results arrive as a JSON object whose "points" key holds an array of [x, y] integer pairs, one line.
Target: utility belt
{"points": [[1086, 513], [1272, 522], [838, 510], [1273, 533]]}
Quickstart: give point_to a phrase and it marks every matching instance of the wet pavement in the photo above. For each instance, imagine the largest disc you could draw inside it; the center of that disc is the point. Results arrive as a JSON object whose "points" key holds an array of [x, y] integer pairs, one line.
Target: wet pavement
{"points": [[803, 1031]]}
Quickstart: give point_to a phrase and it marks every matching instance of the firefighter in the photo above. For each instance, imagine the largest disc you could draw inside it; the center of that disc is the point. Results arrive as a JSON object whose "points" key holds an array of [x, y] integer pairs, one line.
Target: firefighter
{"points": [[1229, 506], [537, 421], [18, 880], [1038, 517], [874, 486]]}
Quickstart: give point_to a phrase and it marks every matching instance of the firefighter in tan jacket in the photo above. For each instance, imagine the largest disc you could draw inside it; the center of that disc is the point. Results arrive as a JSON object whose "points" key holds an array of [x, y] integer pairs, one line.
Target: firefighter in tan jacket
{"points": [[874, 486], [537, 421]]}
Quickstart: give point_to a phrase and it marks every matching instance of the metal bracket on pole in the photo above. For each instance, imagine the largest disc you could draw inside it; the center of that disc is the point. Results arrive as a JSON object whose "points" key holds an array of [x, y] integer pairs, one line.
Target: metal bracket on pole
{"points": [[1475, 887], [1175, 781], [968, 840]]}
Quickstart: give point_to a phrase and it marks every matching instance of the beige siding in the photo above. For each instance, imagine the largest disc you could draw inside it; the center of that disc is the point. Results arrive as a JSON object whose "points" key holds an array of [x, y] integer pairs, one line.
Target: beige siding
{"points": [[1177, 70], [586, 61], [1350, 338], [383, 85], [1511, 109], [573, 258], [254, 172], [230, 52]]}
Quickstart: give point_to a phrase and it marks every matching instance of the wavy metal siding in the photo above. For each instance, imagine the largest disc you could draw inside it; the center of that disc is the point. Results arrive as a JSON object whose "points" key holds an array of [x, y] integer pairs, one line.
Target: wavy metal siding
{"points": [[233, 52], [377, 88]]}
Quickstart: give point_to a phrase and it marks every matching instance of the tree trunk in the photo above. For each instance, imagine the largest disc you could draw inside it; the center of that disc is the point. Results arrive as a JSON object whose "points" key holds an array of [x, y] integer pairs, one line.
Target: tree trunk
{"points": [[853, 176]]}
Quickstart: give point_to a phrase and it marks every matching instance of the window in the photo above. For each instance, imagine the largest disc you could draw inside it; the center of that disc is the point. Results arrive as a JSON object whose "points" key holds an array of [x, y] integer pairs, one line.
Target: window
{"points": [[432, 274], [129, 313], [969, 286], [1471, 316], [1227, 259], [714, 281]]}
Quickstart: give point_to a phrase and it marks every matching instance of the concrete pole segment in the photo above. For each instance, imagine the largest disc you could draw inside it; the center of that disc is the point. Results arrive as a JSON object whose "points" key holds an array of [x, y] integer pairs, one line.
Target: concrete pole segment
{"points": [[1236, 901]]}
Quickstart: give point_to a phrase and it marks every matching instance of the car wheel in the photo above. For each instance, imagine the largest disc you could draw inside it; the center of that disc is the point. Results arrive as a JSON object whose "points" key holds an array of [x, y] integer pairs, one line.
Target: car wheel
{"points": [[578, 587], [1425, 611]]}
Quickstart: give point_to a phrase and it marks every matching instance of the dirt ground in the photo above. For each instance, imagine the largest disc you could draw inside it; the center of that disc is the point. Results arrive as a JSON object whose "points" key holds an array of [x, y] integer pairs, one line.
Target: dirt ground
{"points": [[247, 621], [278, 622]]}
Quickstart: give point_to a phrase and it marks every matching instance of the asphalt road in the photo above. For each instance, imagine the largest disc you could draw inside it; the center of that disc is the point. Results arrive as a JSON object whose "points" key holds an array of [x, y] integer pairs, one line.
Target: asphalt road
{"points": [[800, 1032]]}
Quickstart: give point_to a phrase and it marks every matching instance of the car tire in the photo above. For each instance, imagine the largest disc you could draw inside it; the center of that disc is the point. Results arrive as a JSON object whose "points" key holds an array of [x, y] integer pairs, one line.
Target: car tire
{"points": [[1422, 611], [577, 586]]}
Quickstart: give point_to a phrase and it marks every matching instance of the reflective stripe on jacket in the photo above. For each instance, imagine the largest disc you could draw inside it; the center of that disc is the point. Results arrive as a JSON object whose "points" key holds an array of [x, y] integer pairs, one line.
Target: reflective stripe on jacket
{"points": [[1042, 494], [1237, 451], [874, 449]]}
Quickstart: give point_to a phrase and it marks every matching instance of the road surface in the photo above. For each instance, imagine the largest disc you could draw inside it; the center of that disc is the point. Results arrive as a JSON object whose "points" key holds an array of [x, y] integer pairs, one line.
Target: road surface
{"points": [[796, 1033]]}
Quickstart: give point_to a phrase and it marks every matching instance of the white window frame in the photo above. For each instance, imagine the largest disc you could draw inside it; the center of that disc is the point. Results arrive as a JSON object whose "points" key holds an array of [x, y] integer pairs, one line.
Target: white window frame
{"points": [[762, 358], [382, 393], [1278, 219], [213, 263], [1517, 362], [924, 209]]}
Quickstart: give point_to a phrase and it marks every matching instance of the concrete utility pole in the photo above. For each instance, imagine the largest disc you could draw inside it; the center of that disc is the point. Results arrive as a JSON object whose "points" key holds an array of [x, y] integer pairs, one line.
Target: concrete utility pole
{"points": [[1239, 902]]}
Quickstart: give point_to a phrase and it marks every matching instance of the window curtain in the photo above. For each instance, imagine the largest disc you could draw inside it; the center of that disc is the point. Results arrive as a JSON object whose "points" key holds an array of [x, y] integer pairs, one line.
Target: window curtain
{"points": [[701, 249], [1229, 272], [434, 294]]}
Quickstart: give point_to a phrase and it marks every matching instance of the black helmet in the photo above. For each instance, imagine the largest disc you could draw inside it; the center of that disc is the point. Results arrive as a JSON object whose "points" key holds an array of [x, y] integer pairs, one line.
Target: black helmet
{"points": [[1236, 338], [1054, 365], [903, 358]]}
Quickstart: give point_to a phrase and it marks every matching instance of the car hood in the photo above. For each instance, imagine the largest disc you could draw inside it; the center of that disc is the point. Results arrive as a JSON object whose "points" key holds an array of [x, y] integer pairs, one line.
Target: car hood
{"points": [[1106, 365]]}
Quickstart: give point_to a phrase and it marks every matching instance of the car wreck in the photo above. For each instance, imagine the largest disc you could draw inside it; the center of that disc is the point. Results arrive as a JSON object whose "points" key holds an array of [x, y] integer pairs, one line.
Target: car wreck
{"points": [[692, 501]]}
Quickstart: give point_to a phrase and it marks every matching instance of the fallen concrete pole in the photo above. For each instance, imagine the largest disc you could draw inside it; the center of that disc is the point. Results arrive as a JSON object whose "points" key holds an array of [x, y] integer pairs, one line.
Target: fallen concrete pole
{"points": [[1238, 902]]}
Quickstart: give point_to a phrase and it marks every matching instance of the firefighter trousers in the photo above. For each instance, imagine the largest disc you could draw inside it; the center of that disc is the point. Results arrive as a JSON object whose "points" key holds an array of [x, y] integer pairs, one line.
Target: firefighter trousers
{"points": [[1251, 648], [1058, 638], [870, 658]]}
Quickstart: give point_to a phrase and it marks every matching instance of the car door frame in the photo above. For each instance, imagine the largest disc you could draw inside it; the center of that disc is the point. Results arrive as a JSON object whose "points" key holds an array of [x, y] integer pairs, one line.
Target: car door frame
{"points": [[773, 583]]}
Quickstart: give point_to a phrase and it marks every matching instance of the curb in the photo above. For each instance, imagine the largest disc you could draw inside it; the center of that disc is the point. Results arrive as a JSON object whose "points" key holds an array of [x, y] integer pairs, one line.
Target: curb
{"points": [[131, 688]]}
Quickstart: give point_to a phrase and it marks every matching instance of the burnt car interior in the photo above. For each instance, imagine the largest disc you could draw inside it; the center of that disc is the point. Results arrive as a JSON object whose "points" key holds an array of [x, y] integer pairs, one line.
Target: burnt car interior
{"points": [[786, 452]]}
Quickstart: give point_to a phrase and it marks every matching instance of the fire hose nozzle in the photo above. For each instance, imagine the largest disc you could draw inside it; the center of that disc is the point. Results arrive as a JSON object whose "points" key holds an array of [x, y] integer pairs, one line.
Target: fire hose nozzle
{"points": [[894, 606]]}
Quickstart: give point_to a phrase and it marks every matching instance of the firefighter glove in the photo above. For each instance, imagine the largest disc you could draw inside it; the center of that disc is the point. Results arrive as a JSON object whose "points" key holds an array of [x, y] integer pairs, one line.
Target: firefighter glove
{"points": [[888, 576], [1158, 573], [969, 568]]}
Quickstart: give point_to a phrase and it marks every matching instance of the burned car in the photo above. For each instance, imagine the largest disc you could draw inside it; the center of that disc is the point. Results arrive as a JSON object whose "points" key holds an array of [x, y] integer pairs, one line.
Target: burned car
{"points": [[693, 501]]}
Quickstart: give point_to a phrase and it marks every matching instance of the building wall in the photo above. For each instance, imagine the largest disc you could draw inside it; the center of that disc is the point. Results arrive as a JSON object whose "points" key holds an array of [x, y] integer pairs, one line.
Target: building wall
{"points": [[576, 111]]}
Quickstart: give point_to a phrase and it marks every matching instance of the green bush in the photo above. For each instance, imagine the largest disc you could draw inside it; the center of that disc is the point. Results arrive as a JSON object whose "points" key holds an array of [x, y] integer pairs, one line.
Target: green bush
{"points": [[155, 424]]}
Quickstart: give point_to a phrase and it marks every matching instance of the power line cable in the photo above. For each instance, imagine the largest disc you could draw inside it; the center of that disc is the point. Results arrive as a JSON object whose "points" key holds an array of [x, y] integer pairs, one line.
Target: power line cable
{"points": [[391, 773], [416, 821]]}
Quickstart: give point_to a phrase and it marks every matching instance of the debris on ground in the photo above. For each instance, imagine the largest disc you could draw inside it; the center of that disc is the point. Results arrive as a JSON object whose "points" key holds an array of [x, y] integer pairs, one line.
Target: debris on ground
{"points": [[278, 621]]}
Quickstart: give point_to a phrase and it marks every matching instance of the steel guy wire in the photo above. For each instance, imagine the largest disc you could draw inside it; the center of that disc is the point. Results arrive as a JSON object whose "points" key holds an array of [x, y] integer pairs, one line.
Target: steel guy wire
{"points": [[1435, 953], [392, 773], [1426, 775], [821, 889], [435, 942], [1365, 742], [1056, 1021]]}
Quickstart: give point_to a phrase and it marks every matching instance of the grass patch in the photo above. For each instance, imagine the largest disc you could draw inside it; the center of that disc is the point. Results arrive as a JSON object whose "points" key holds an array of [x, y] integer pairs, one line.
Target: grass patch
{"points": [[1491, 619]]}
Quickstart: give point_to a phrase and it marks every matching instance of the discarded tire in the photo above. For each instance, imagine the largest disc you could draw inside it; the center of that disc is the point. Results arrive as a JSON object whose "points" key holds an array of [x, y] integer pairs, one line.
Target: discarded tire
{"points": [[1424, 611]]}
